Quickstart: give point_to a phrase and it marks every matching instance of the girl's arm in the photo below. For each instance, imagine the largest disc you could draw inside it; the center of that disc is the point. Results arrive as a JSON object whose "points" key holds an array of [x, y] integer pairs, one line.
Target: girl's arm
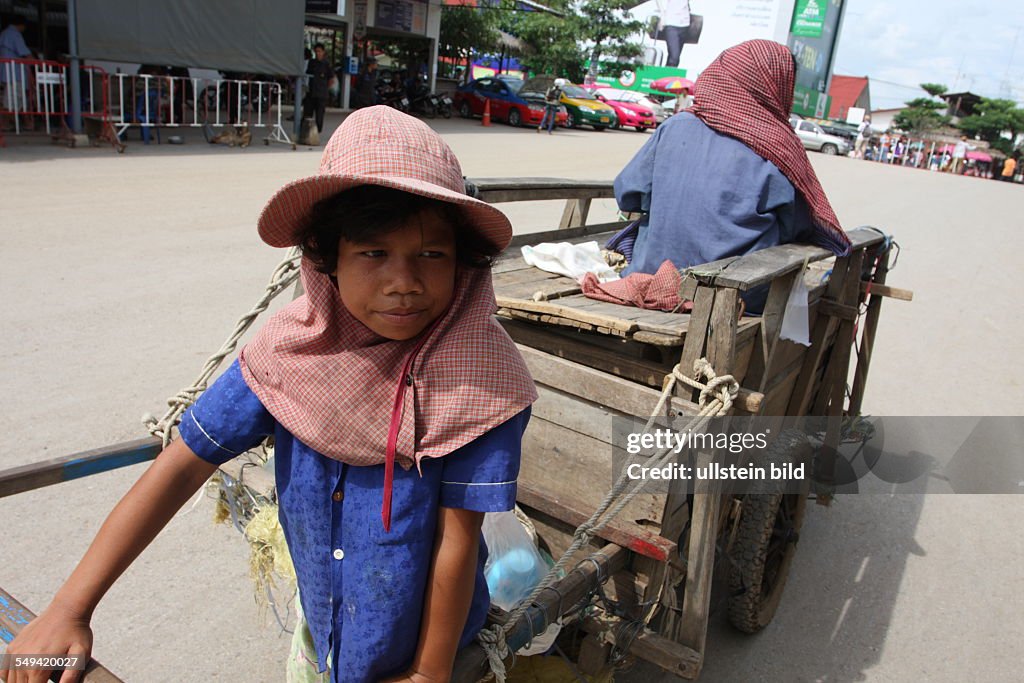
{"points": [[449, 594], [174, 476]]}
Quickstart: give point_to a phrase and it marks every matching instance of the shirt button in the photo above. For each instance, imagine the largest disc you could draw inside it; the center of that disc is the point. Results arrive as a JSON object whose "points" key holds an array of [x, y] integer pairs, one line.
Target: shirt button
{"points": [[339, 554], [338, 495]]}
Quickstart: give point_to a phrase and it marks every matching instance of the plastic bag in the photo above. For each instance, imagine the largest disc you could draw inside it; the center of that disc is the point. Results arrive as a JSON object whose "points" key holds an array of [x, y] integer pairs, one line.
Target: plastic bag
{"points": [[514, 564], [796, 319]]}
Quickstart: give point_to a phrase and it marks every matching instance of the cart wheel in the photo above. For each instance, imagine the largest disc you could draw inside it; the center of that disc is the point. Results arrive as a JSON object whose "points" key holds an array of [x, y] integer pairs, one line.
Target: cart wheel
{"points": [[266, 142], [765, 544]]}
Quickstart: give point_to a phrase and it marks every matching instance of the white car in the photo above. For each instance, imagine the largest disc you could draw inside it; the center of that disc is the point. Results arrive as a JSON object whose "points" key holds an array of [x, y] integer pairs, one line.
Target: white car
{"points": [[660, 111], [813, 137]]}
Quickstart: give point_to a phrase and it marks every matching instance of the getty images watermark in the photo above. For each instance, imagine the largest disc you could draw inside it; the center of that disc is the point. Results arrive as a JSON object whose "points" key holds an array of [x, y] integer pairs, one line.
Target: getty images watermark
{"points": [[881, 455]]}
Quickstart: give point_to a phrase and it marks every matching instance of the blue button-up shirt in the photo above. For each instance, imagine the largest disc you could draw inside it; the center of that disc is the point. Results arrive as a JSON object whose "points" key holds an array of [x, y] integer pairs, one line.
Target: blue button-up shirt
{"points": [[361, 588]]}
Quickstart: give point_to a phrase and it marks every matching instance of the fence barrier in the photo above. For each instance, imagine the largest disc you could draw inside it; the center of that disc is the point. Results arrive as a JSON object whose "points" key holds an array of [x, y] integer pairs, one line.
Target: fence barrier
{"points": [[38, 90]]}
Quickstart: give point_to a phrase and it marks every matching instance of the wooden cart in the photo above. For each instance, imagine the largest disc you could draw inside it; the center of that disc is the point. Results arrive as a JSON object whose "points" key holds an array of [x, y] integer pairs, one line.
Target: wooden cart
{"points": [[592, 361]]}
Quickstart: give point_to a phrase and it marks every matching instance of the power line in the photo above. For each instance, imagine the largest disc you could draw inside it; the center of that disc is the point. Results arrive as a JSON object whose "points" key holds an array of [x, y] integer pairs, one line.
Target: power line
{"points": [[898, 85]]}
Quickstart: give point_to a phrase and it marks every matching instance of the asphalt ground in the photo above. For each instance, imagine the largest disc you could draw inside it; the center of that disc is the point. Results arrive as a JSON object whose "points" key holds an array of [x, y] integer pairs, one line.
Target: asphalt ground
{"points": [[123, 273]]}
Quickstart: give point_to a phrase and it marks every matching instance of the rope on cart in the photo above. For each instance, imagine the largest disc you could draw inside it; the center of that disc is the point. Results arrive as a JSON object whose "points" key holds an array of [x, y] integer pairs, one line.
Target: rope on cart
{"points": [[717, 394], [286, 272]]}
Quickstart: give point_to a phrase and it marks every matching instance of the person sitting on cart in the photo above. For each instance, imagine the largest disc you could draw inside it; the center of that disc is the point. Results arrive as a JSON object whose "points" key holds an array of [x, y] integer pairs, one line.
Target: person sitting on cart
{"points": [[728, 176], [391, 357]]}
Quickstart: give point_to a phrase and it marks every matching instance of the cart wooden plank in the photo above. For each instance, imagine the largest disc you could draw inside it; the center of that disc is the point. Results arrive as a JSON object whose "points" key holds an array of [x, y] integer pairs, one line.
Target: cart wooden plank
{"points": [[14, 616], [66, 468], [761, 267]]}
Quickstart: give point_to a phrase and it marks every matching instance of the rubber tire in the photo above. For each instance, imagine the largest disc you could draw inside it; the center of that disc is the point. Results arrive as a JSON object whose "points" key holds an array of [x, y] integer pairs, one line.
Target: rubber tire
{"points": [[465, 111], [446, 111], [752, 603], [515, 119], [570, 121], [829, 149]]}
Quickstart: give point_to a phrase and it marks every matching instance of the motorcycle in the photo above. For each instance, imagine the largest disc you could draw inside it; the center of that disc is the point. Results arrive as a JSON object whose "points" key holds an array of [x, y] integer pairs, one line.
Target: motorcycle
{"points": [[393, 96], [442, 105], [421, 100]]}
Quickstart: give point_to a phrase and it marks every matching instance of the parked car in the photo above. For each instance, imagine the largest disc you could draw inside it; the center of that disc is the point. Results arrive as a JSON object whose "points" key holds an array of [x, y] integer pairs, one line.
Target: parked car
{"points": [[582, 108], [661, 111], [813, 137], [510, 102], [630, 114]]}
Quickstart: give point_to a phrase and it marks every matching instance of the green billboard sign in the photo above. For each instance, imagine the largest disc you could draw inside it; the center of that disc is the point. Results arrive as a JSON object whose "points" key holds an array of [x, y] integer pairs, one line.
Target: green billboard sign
{"points": [[809, 18], [642, 78], [810, 103]]}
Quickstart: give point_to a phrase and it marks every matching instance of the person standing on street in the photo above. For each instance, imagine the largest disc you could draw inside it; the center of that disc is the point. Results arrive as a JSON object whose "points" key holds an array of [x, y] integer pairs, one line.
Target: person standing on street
{"points": [[960, 155], [883, 154], [12, 46], [320, 75], [1009, 168], [552, 103], [366, 85], [863, 135]]}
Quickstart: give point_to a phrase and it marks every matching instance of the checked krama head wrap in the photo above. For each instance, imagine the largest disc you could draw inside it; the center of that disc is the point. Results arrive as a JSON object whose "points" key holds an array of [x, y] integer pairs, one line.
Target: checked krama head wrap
{"points": [[747, 94], [363, 399]]}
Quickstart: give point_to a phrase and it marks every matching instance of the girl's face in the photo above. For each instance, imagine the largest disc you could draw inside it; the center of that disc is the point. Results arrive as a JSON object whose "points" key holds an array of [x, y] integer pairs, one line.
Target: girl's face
{"points": [[398, 283]]}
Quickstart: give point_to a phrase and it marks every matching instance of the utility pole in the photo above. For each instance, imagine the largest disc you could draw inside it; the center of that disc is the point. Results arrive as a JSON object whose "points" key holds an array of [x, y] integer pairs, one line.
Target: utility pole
{"points": [[76, 84]]}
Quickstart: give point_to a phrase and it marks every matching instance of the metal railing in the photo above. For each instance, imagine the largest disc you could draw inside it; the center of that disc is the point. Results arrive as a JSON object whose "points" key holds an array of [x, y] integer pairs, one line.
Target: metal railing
{"points": [[34, 90], [149, 101]]}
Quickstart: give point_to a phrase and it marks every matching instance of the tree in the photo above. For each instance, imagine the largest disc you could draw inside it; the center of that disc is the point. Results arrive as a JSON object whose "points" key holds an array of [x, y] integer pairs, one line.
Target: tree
{"points": [[992, 119], [551, 41], [934, 89], [589, 29], [921, 116], [608, 25], [465, 31]]}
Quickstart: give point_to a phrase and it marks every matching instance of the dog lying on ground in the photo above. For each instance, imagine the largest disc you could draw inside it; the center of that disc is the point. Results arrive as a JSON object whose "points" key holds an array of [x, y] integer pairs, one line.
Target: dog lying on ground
{"points": [[232, 137]]}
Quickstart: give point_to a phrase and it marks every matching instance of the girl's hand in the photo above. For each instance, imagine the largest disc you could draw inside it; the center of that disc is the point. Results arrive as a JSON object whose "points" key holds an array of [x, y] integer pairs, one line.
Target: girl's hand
{"points": [[55, 632]]}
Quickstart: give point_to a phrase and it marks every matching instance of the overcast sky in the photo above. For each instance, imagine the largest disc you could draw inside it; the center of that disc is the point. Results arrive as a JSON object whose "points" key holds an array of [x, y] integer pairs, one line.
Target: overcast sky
{"points": [[963, 45]]}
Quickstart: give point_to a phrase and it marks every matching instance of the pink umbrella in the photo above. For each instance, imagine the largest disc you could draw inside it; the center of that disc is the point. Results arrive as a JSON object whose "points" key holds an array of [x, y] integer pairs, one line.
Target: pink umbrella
{"points": [[979, 156], [672, 84]]}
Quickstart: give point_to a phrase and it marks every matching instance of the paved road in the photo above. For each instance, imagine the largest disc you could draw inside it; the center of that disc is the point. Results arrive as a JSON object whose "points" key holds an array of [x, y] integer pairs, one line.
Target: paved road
{"points": [[123, 273]]}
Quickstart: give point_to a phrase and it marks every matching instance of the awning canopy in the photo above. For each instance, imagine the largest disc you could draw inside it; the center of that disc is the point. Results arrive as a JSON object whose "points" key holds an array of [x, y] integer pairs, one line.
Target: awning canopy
{"points": [[249, 36]]}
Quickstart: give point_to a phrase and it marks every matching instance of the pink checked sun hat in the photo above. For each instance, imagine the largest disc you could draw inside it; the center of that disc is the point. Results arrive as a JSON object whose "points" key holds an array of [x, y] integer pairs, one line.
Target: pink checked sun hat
{"points": [[380, 146]]}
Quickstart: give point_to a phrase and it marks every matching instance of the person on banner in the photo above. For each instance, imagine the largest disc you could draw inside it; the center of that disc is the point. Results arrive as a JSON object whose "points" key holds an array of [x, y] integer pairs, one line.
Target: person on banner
{"points": [[675, 25], [728, 176], [552, 103], [320, 75]]}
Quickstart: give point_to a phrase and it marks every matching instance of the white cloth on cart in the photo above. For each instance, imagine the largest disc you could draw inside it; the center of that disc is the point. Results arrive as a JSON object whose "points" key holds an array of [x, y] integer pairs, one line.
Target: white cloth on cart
{"points": [[571, 260]]}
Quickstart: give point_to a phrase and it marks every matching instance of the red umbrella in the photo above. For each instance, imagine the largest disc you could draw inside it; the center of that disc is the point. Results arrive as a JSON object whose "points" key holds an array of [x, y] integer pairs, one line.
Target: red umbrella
{"points": [[672, 84]]}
